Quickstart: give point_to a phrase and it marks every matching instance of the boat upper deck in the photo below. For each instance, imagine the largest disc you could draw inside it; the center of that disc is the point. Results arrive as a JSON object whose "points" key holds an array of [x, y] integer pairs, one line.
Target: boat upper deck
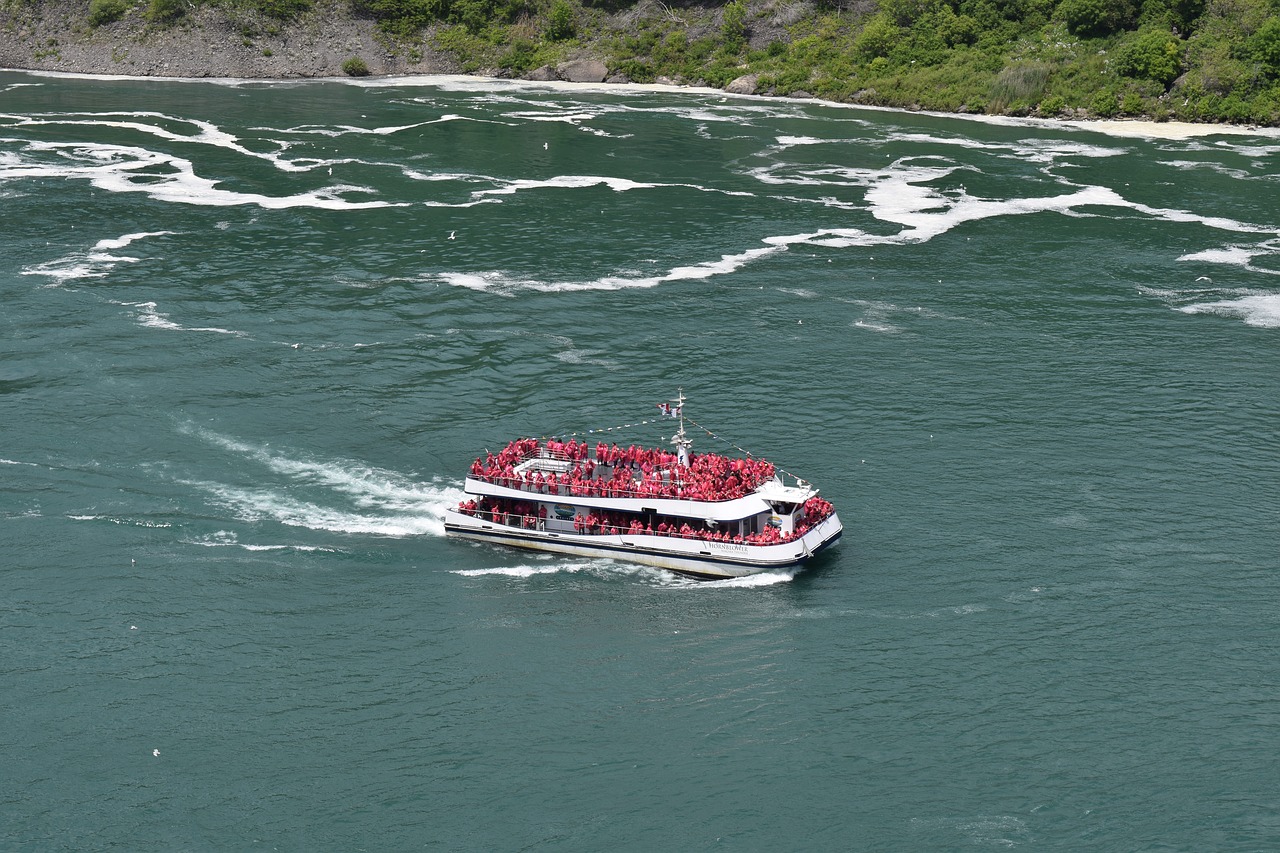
{"points": [[569, 469]]}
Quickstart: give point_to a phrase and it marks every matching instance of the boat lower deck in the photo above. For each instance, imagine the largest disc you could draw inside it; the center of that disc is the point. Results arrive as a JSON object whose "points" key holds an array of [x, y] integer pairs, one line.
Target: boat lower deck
{"points": [[696, 557]]}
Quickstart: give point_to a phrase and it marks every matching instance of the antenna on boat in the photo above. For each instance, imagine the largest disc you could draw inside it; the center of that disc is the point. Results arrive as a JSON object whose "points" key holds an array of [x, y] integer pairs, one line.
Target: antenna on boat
{"points": [[680, 440]]}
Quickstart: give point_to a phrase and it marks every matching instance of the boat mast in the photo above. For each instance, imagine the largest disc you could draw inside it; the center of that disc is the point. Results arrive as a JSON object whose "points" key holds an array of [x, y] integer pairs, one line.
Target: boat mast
{"points": [[680, 440]]}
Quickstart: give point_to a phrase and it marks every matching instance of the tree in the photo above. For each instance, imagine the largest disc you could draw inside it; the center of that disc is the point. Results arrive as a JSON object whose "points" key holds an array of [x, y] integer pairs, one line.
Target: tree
{"points": [[733, 26], [1265, 45], [1095, 18]]}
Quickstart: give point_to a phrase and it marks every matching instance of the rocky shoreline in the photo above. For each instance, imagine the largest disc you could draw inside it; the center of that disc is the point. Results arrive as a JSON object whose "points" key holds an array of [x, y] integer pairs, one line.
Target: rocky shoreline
{"points": [[220, 42], [210, 41]]}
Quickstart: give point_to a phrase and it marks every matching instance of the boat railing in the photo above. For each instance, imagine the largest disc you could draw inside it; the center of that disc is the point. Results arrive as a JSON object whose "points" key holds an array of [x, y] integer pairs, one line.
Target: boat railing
{"points": [[533, 522], [666, 487]]}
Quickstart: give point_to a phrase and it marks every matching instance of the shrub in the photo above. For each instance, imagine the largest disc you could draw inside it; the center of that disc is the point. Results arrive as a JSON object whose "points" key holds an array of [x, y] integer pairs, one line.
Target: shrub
{"points": [[520, 56], [1105, 104], [105, 11], [635, 71], [164, 11], [1052, 105], [561, 23], [355, 67], [1150, 55]]}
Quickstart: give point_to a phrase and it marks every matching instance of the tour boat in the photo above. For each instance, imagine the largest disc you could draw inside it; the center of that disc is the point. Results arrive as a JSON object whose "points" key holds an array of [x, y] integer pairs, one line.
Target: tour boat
{"points": [[703, 515]]}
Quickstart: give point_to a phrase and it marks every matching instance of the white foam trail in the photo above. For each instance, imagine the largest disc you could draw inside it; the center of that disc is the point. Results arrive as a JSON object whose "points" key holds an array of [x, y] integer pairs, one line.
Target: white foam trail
{"points": [[573, 118], [204, 132], [1234, 255], [618, 185], [131, 522], [151, 318], [1027, 150], [502, 284], [163, 177], [1237, 255], [126, 239], [789, 141], [1218, 168], [873, 326], [1258, 309], [228, 539], [96, 263], [334, 131], [15, 462], [746, 582], [523, 571]]}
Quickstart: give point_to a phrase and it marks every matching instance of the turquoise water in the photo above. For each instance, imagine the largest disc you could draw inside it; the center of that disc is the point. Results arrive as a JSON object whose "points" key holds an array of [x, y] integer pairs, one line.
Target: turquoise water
{"points": [[254, 334]]}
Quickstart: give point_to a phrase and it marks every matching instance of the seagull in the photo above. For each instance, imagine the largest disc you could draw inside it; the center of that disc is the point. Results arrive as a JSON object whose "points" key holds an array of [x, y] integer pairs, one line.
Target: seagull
{"points": [[545, 146], [1204, 278], [330, 170], [133, 627], [156, 753], [453, 235], [295, 346]]}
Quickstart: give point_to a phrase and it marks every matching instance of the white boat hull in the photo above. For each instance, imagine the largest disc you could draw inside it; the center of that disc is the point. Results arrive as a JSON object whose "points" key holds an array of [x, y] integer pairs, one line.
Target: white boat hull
{"points": [[697, 557]]}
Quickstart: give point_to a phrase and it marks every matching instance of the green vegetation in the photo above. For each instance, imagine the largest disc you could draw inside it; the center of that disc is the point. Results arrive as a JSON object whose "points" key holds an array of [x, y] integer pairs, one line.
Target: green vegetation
{"points": [[355, 67], [105, 11], [1194, 60]]}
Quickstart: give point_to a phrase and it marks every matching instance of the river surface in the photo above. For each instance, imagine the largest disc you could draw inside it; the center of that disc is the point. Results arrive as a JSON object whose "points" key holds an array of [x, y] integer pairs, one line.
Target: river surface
{"points": [[253, 335]]}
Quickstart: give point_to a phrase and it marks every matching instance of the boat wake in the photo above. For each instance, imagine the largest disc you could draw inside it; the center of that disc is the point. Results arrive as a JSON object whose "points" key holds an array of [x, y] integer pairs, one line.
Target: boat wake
{"points": [[338, 496]]}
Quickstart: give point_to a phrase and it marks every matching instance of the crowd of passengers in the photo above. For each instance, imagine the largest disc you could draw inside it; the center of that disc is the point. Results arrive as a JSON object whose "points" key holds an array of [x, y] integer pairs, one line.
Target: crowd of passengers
{"points": [[526, 515], [616, 472]]}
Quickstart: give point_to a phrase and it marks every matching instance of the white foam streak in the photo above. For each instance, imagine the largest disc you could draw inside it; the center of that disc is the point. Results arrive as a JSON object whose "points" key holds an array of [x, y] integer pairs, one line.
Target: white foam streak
{"points": [[500, 283], [335, 131], [583, 181], [228, 539], [205, 133], [523, 571], [151, 318], [96, 263], [1233, 255], [1258, 309], [748, 582], [163, 177]]}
